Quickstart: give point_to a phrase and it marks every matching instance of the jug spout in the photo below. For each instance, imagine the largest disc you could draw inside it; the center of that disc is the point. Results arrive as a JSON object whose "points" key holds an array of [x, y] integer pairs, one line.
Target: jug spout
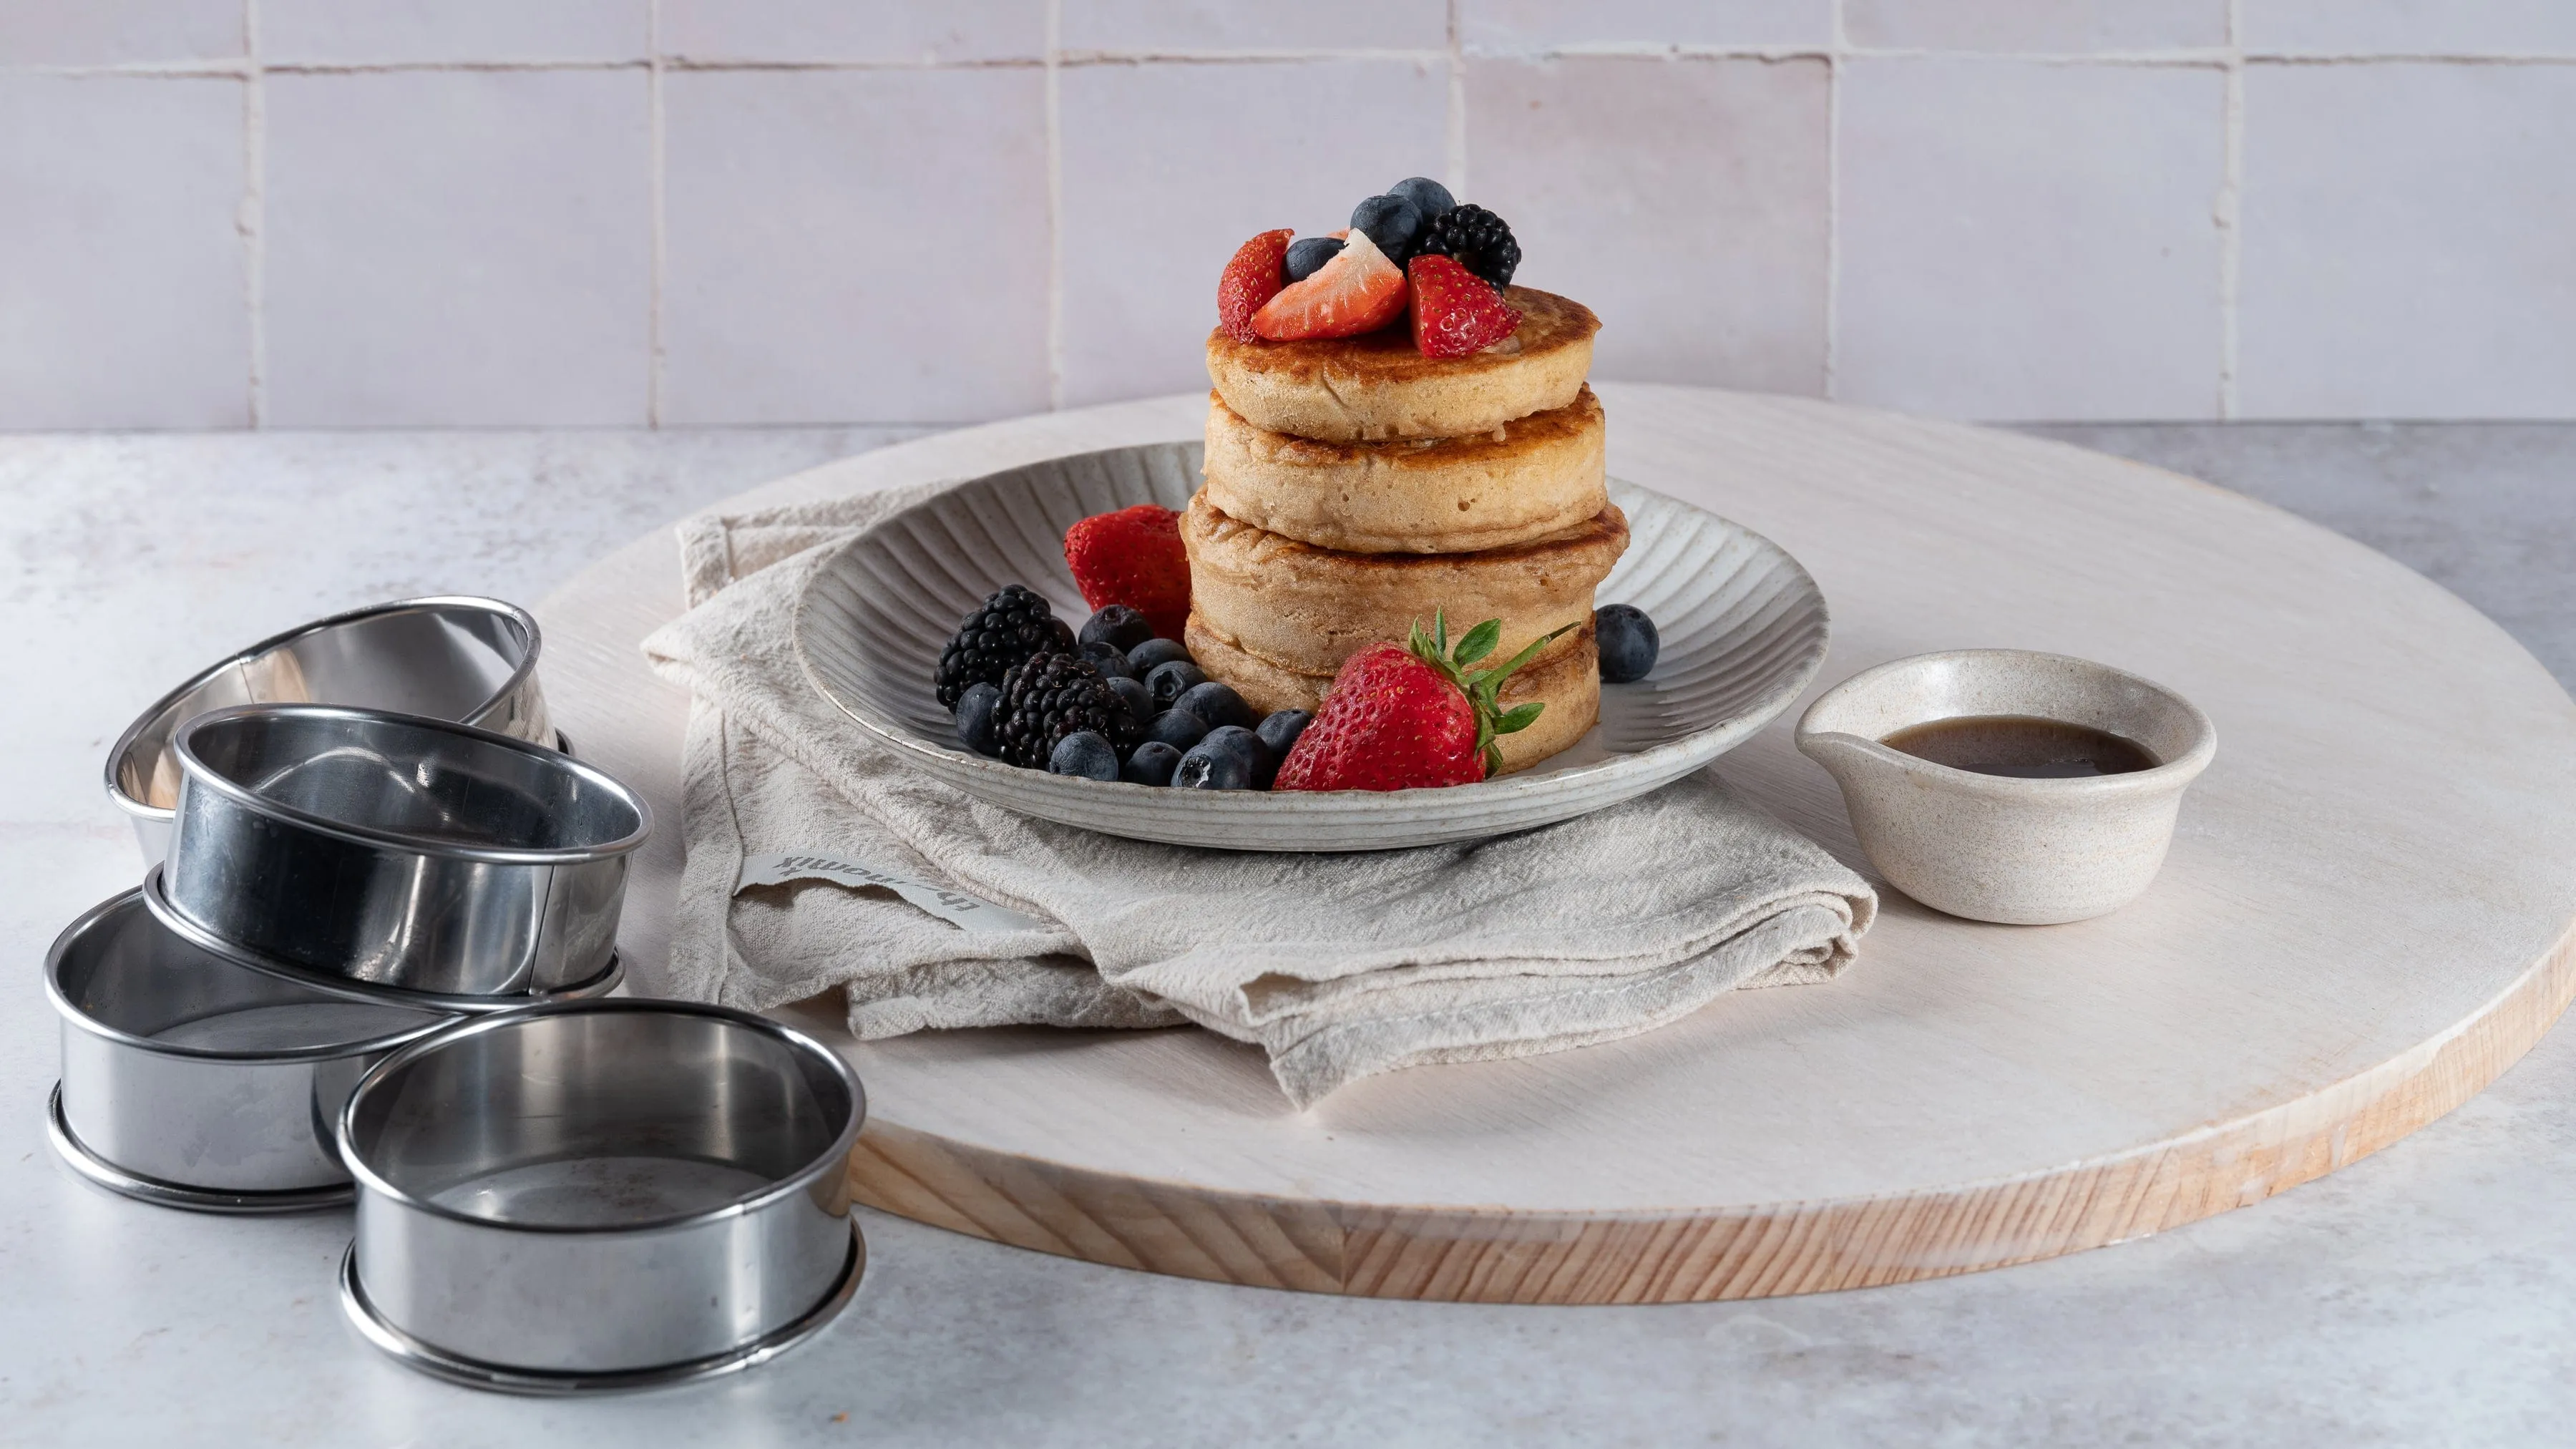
{"points": [[1847, 755]]}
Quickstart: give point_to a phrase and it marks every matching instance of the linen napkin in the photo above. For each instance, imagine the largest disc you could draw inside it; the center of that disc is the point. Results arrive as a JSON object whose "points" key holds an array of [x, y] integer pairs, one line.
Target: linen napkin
{"points": [[1336, 966]]}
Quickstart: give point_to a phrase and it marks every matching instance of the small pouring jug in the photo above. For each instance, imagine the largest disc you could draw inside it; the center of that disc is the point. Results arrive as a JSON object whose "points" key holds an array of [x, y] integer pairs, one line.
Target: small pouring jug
{"points": [[1998, 848]]}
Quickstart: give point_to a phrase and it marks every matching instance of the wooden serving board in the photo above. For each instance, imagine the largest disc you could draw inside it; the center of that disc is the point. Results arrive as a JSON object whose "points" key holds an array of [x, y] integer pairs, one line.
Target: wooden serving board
{"points": [[2364, 919]]}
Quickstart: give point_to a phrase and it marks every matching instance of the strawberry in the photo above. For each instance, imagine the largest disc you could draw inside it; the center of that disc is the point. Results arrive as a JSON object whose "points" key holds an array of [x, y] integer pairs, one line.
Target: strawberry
{"points": [[1358, 291], [1456, 312], [1133, 557], [1404, 716], [1252, 278]]}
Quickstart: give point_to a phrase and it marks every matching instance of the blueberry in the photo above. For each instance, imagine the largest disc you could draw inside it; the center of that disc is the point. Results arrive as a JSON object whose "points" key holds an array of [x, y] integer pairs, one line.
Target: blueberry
{"points": [[1145, 656], [1280, 733], [1086, 753], [1307, 255], [1429, 197], [1390, 221], [975, 711], [1170, 681], [1178, 728], [1218, 704], [1107, 659], [1119, 627], [1628, 642], [1152, 764], [1228, 759], [1132, 692]]}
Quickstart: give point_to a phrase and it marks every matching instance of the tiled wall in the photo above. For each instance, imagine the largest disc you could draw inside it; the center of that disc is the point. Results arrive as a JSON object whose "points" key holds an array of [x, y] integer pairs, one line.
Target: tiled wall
{"points": [[300, 213]]}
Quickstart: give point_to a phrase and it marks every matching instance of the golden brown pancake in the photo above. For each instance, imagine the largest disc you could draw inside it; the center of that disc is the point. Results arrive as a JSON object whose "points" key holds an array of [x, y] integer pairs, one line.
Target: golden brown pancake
{"points": [[1305, 608], [1568, 684], [1380, 386], [1524, 480]]}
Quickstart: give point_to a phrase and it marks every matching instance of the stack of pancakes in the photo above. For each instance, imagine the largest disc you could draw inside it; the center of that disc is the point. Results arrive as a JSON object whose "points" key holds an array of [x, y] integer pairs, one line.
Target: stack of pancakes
{"points": [[1355, 486]]}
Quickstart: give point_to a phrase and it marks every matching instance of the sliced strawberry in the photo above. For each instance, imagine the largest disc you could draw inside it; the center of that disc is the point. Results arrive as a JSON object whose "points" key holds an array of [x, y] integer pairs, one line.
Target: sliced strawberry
{"points": [[1358, 291], [1252, 278], [1456, 312], [1402, 717], [1133, 557]]}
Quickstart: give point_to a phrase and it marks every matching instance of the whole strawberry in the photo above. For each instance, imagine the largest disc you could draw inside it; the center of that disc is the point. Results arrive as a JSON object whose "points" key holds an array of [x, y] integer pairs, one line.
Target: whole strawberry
{"points": [[1415, 715], [1133, 557], [1255, 276], [1456, 312]]}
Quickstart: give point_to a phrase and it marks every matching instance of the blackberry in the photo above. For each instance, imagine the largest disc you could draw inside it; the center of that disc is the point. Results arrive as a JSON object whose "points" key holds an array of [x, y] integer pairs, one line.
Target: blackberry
{"points": [[1481, 242], [1004, 630], [1055, 694]]}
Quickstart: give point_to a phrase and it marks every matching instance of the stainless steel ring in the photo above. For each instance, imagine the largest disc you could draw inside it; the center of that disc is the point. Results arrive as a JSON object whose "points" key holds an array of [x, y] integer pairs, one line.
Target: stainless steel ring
{"points": [[156, 900], [468, 659], [473, 1373], [399, 850], [103, 1173]]}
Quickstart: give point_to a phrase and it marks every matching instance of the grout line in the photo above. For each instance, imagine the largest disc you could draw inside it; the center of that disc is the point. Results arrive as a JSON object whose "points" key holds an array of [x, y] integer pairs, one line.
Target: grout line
{"points": [[252, 220], [657, 157], [2182, 56], [2230, 214], [1834, 56], [1454, 133], [1055, 208]]}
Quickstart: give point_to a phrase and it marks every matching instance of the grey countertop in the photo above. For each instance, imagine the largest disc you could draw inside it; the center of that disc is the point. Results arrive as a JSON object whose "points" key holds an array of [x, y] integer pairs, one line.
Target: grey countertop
{"points": [[2425, 1295]]}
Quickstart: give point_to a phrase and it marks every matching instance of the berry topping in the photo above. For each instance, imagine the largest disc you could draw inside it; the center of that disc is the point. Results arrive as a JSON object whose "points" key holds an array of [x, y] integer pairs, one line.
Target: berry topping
{"points": [[1086, 753], [1006, 628], [1454, 312], [1280, 730], [975, 718], [1168, 682], [1403, 716], [1428, 197], [1358, 291], [1119, 627], [1252, 278], [1178, 728], [1218, 704], [1133, 694], [1151, 764], [1628, 642], [1228, 759], [1307, 255], [1480, 241], [1133, 557], [1052, 696], [1145, 656], [1390, 221]]}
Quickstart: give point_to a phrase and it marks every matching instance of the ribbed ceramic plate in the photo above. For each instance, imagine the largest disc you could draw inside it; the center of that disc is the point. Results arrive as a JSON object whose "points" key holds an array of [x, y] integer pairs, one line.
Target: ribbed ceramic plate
{"points": [[1743, 631]]}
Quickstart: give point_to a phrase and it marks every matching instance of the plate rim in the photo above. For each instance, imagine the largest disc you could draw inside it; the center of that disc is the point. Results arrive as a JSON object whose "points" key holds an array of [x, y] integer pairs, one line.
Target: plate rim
{"points": [[1647, 769]]}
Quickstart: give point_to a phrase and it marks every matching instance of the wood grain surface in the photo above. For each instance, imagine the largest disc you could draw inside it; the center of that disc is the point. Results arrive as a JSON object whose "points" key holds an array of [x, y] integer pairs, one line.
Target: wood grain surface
{"points": [[2365, 918]]}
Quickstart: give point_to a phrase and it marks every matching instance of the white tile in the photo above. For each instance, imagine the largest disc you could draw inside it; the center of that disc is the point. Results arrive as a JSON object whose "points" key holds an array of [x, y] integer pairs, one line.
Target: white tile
{"points": [[1682, 200], [855, 245], [458, 248], [414, 31], [1160, 26], [2025, 240], [2407, 246], [2412, 27], [121, 266], [2042, 26], [1168, 168], [854, 30], [117, 32], [1506, 26]]}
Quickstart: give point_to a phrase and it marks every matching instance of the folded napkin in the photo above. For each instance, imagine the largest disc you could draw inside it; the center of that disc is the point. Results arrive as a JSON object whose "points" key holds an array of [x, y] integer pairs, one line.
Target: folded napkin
{"points": [[1336, 966]]}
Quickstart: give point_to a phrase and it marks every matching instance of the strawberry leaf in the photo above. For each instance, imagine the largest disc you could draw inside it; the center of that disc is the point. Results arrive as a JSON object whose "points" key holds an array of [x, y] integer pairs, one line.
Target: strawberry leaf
{"points": [[1519, 717], [1480, 641]]}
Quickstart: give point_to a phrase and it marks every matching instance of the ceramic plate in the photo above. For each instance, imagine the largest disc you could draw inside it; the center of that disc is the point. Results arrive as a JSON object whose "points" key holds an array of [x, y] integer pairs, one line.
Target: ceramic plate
{"points": [[1743, 630]]}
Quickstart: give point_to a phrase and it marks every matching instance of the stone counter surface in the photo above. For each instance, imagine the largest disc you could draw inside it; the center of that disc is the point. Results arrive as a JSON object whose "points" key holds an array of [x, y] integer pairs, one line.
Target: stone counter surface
{"points": [[2426, 1295]]}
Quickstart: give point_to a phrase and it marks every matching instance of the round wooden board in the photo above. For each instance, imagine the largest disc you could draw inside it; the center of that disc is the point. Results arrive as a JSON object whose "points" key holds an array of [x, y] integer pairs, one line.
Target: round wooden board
{"points": [[2364, 919]]}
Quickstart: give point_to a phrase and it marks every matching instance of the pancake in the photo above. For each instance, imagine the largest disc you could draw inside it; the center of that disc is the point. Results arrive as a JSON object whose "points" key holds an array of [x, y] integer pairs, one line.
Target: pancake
{"points": [[1569, 685], [1377, 387], [1527, 479], [1305, 608]]}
